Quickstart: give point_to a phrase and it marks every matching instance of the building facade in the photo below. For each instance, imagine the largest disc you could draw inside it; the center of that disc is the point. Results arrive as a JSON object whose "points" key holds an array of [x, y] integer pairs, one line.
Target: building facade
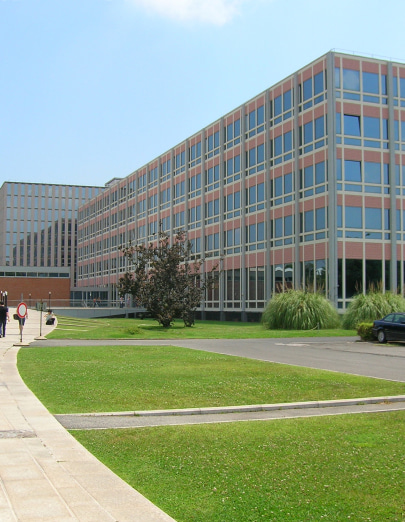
{"points": [[301, 186], [38, 227]]}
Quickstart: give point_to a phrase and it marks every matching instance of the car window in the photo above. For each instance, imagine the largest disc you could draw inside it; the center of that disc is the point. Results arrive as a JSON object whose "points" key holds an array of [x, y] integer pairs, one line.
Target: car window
{"points": [[389, 318]]}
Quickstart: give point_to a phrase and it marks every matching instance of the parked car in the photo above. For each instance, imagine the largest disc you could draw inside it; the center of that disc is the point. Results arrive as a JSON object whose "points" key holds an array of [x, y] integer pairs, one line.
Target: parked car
{"points": [[390, 328]]}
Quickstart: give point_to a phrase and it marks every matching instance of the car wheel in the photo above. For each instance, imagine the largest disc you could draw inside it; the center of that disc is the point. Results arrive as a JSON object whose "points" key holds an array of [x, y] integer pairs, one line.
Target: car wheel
{"points": [[382, 338]]}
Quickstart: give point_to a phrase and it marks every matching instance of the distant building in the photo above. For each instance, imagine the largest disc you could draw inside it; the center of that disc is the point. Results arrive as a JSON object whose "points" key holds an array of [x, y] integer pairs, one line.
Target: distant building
{"points": [[38, 225], [303, 185]]}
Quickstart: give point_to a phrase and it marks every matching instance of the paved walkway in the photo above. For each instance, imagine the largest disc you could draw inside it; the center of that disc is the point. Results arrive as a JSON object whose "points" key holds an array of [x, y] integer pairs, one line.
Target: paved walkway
{"points": [[45, 474]]}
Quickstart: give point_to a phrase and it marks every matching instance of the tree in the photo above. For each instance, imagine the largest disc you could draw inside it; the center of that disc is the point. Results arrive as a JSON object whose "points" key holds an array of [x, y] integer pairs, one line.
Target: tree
{"points": [[165, 280]]}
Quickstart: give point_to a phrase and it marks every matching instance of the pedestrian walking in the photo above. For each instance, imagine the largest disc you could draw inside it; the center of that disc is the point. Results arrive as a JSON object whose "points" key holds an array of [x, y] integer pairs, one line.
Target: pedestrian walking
{"points": [[4, 317]]}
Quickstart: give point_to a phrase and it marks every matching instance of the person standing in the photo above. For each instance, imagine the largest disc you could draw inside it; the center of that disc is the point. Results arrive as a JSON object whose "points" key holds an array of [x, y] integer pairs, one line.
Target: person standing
{"points": [[4, 317]]}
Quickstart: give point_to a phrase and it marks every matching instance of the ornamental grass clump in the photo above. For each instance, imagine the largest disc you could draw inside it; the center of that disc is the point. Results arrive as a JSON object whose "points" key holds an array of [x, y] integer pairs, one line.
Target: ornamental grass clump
{"points": [[366, 308], [299, 310]]}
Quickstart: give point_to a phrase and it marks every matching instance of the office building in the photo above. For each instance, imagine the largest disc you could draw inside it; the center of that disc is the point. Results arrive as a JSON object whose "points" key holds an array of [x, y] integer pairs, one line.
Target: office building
{"points": [[301, 186], [38, 229]]}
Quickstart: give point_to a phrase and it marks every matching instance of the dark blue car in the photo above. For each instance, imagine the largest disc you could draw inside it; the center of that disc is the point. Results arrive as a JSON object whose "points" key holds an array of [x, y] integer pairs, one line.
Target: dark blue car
{"points": [[390, 328]]}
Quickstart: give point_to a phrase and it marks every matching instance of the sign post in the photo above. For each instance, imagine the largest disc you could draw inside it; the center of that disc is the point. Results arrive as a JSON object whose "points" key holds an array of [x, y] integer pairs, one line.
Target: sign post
{"points": [[22, 313], [41, 309]]}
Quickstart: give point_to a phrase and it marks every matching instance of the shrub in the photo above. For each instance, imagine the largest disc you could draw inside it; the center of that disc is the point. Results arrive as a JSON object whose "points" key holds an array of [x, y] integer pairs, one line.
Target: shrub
{"points": [[299, 310], [364, 331], [372, 306], [131, 330]]}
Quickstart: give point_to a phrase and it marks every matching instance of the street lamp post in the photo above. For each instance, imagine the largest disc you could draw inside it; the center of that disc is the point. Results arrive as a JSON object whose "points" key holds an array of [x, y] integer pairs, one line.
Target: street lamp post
{"points": [[40, 320], [50, 293]]}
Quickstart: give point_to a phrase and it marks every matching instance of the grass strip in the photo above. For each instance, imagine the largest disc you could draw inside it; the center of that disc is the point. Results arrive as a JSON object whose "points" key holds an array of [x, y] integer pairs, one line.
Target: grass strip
{"points": [[128, 378], [118, 328], [347, 467]]}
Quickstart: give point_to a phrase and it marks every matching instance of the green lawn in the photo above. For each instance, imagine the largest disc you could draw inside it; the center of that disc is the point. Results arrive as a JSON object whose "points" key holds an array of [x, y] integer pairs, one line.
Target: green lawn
{"points": [[347, 467], [127, 378], [116, 328]]}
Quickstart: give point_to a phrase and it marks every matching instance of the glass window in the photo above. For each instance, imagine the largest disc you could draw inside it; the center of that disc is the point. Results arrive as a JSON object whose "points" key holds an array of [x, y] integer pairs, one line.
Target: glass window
{"points": [[278, 146], [386, 171], [278, 227], [236, 164], [278, 187], [288, 141], [337, 77], [308, 176], [373, 218], [320, 218], [287, 100], [395, 86], [351, 80], [385, 129], [229, 132], [320, 173], [278, 106], [260, 153], [338, 123], [402, 87], [260, 231], [260, 115], [371, 127], [288, 226], [372, 172], [370, 83], [353, 217], [319, 127], [260, 192], [288, 183], [252, 195], [307, 89], [318, 83], [236, 128], [383, 84], [352, 170], [308, 132], [309, 221], [252, 119], [252, 157], [352, 125]]}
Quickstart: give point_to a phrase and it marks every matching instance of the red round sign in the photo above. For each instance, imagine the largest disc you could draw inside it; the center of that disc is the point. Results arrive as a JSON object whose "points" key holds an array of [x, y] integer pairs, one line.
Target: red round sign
{"points": [[22, 310]]}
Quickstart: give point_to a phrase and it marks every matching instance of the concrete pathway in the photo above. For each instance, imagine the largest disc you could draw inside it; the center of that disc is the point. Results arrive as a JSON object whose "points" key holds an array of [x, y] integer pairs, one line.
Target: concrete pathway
{"points": [[45, 474]]}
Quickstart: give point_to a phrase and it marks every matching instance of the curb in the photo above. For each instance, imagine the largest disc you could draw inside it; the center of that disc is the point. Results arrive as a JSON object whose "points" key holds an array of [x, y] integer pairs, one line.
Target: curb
{"points": [[246, 409]]}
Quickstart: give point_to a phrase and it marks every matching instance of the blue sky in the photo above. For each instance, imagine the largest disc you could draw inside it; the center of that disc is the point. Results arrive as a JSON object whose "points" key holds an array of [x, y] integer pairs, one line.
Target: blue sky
{"points": [[94, 89]]}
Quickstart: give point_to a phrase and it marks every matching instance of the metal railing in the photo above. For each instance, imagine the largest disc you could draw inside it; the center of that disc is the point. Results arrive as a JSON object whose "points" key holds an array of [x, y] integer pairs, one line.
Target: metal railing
{"points": [[45, 304]]}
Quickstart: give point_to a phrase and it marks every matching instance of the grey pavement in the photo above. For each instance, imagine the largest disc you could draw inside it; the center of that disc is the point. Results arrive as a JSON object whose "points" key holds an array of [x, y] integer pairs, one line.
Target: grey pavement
{"points": [[45, 474]]}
